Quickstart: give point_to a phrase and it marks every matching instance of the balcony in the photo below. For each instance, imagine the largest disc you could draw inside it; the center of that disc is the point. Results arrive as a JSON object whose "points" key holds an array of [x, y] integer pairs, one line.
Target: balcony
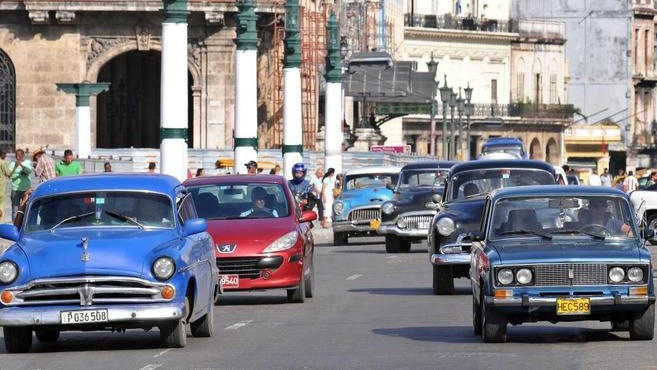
{"points": [[524, 110], [451, 22]]}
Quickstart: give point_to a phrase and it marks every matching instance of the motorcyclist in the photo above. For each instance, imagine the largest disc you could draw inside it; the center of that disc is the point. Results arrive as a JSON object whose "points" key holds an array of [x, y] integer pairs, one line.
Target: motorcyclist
{"points": [[301, 188]]}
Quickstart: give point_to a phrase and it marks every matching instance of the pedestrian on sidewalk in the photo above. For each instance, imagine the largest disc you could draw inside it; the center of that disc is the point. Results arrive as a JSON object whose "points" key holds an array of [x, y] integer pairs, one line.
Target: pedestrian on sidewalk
{"points": [[68, 166], [44, 168], [20, 169]]}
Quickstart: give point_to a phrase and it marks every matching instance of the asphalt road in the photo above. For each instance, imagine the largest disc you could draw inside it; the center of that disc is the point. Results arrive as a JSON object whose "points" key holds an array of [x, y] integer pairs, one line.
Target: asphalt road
{"points": [[370, 310]]}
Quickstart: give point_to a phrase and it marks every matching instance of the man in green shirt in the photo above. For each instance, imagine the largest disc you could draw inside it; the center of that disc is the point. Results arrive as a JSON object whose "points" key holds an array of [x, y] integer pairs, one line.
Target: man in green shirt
{"points": [[20, 179], [67, 166]]}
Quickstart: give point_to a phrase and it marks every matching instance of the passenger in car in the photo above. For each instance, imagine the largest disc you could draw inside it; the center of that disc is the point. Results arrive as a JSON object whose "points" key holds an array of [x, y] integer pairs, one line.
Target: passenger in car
{"points": [[259, 208]]}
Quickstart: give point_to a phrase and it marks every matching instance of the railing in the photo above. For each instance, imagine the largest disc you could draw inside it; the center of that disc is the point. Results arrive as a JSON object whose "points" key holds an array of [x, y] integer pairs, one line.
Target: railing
{"points": [[556, 111], [451, 22]]}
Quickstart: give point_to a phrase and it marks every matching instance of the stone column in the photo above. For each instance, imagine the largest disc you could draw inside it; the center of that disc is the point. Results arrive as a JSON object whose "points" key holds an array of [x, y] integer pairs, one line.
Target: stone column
{"points": [[82, 93], [333, 108], [246, 87], [292, 125], [173, 101]]}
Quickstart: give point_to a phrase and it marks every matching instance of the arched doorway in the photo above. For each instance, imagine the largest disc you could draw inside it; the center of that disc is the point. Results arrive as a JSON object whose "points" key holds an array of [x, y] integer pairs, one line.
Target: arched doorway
{"points": [[7, 103], [535, 151], [128, 115], [552, 152]]}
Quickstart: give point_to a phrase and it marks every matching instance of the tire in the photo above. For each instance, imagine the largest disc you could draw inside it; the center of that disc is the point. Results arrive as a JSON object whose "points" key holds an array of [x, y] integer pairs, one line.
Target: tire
{"points": [[493, 324], [18, 339], [310, 282], [443, 280], [297, 295], [623, 325], [204, 327], [47, 335], [392, 244], [403, 245], [340, 239], [652, 224], [173, 334], [642, 325], [476, 316]]}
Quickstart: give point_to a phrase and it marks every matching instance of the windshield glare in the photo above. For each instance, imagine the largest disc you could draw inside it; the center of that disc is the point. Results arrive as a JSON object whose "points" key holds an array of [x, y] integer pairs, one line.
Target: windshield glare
{"points": [[100, 209], [369, 180], [584, 216], [469, 183], [423, 177], [241, 201], [511, 149]]}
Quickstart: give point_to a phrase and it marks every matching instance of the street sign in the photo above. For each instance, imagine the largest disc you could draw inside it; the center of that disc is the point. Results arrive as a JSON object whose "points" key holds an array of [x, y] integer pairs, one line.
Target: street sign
{"points": [[402, 108], [398, 149]]}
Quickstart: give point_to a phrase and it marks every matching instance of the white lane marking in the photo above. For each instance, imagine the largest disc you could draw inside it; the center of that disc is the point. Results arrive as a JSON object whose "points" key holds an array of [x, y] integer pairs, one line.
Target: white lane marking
{"points": [[151, 366], [354, 277], [239, 325], [163, 352]]}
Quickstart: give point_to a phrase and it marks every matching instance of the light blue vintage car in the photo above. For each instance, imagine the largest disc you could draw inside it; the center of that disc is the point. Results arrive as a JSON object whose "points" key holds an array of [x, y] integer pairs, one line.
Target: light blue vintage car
{"points": [[107, 252], [357, 211]]}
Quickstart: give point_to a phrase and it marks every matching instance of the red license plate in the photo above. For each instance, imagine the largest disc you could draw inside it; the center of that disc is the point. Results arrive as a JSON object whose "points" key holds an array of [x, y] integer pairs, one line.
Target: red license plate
{"points": [[229, 281]]}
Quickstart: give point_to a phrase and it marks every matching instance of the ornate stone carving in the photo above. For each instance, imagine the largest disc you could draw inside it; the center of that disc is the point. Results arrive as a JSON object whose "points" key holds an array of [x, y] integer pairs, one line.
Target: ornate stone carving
{"points": [[38, 16], [194, 50], [143, 37], [215, 18], [98, 46], [65, 17]]}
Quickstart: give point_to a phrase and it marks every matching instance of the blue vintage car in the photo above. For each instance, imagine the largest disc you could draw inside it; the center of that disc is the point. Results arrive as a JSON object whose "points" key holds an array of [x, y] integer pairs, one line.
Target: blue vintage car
{"points": [[107, 252], [357, 210], [560, 253]]}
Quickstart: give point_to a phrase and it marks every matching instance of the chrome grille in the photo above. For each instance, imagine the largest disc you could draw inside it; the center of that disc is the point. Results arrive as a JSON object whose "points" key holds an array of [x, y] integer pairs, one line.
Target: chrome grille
{"points": [[582, 274], [413, 222], [366, 214], [87, 290]]}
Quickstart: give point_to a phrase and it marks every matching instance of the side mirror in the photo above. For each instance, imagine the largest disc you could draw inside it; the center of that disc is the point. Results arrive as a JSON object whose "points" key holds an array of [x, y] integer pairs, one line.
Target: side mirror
{"points": [[9, 232], [649, 234], [194, 226], [308, 215]]}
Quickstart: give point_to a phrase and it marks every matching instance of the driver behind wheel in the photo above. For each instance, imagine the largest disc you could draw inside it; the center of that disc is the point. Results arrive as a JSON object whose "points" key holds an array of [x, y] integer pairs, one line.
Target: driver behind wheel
{"points": [[598, 215], [258, 208]]}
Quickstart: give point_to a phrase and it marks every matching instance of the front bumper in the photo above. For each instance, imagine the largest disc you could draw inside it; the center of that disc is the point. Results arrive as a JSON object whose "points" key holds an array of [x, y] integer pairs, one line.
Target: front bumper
{"points": [[551, 302], [439, 259], [117, 314], [392, 229], [352, 227]]}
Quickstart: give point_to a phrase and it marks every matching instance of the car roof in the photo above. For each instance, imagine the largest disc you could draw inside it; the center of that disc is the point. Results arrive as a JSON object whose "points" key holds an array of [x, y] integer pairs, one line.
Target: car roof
{"points": [[429, 164], [502, 141], [373, 169], [109, 181], [235, 179], [502, 163], [556, 190]]}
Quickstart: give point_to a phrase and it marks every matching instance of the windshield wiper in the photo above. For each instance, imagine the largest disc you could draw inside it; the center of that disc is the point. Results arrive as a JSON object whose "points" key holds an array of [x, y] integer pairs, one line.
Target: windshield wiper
{"points": [[72, 218], [123, 217], [532, 232], [570, 231]]}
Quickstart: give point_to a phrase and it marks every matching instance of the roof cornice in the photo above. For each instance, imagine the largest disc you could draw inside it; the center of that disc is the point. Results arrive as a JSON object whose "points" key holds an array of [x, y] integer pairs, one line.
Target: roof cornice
{"points": [[431, 34]]}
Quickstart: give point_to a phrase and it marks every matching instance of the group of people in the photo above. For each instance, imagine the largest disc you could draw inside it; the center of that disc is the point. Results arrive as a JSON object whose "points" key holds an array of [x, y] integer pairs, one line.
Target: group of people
{"points": [[626, 182]]}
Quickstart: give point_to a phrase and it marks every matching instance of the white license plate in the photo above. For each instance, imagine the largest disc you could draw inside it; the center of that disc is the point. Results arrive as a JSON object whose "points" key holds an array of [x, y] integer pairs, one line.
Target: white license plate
{"points": [[230, 281], [83, 316], [422, 225]]}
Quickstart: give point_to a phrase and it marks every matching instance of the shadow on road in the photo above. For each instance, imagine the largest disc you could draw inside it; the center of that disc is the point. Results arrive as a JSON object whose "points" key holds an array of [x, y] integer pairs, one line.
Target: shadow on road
{"points": [[530, 334], [409, 291], [99, 341], [245, 300]]}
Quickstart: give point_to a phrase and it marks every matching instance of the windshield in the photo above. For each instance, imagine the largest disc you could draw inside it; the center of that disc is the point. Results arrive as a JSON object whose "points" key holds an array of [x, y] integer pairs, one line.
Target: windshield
{"points": [[514, 150], [470, 183], [237, 201], [599, 217], [113, 209], [370, 180], [423, 177]]}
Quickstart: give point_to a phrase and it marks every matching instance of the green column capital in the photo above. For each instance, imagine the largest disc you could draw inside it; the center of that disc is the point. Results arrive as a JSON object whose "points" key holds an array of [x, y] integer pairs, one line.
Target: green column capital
{"points": [[175, 11], [333, 62], [83, 90], [247, 36], [292, 58]]}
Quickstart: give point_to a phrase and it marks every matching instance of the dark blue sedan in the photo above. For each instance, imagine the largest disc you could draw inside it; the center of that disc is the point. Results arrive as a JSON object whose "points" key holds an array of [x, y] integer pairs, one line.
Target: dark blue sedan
{"points": [[560, 253]]}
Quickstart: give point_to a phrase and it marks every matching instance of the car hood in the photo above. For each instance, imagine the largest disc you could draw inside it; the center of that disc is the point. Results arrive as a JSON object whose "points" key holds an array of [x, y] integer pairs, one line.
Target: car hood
{"points": [[120, 252], [250, 236], [533, 251], [366, 195], [465, 211]]}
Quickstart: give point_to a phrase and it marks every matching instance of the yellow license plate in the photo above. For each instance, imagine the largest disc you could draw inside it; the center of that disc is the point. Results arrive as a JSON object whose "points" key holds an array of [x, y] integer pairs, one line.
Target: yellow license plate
{"points": [[374, 224], [573, 306]]}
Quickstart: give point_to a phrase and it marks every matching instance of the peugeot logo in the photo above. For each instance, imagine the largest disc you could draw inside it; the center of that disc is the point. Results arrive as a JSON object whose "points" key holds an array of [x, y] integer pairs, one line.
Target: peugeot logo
{"points": [[226, 248]]}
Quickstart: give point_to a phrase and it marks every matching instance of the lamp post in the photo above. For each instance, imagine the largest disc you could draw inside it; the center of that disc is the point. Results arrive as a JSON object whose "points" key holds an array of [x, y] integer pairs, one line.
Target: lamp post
{"points": [[433, 67], [452, 129], [445, 93], [469, 111], [460, 102]]}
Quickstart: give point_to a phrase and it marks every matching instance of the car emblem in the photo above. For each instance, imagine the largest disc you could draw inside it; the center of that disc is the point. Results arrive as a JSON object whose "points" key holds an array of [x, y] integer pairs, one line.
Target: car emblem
{"points": [[86, 294], [85, 257], [226, 248], [571, 273]]}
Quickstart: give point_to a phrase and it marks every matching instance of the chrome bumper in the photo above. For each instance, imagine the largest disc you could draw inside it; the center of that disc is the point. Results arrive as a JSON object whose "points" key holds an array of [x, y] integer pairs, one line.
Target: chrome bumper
{"points": [[440, 259], [394, 230], [351, 226], [605, 300], [50, 315]]}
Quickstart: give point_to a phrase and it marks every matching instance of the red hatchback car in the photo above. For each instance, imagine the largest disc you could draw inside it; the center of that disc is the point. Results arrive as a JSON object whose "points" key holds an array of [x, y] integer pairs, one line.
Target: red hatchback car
{"points": [[262, 238]]}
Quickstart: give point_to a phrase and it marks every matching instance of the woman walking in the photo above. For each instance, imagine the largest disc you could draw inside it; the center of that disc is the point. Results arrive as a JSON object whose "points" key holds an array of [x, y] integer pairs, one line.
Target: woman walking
{"points": [[328, 183]]}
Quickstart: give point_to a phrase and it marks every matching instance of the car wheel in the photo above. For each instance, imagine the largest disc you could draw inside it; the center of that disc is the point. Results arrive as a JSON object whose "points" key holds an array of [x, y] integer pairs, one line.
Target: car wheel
{"points": [[173, 334], [403, 245], [47, 335], [493, 324], [642, 325], [620, 325], [443, 280], [309, 283], [652, 224], [476, 316], [18, 339], [392, 244], [204, 327], [340, 239], [297, 295]]}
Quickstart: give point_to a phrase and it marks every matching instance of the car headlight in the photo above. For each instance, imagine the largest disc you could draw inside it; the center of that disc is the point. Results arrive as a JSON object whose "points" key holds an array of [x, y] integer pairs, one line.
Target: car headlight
{"points": [[338, 207], [286, 241], [401, 223], [445, 226], [635, 274], [8, 272], [524, 276], [616, 274], [505, 276], [164, 268], [387, 208]]}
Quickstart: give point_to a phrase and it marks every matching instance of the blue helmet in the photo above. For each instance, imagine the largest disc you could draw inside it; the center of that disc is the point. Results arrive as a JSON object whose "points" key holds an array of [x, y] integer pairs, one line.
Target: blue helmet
{"points": [[298, 167]]}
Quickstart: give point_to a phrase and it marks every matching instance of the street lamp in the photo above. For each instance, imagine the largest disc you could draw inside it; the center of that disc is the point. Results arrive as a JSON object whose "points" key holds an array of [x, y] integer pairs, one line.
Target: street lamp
{"points": [[433, 67], [445, 93], [452, 129], [469, 111], [460, 102]]}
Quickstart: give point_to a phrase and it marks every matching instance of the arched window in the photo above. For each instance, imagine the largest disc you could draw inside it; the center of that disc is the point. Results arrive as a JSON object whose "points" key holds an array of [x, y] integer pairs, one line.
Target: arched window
{"points": [[7, 103]]}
